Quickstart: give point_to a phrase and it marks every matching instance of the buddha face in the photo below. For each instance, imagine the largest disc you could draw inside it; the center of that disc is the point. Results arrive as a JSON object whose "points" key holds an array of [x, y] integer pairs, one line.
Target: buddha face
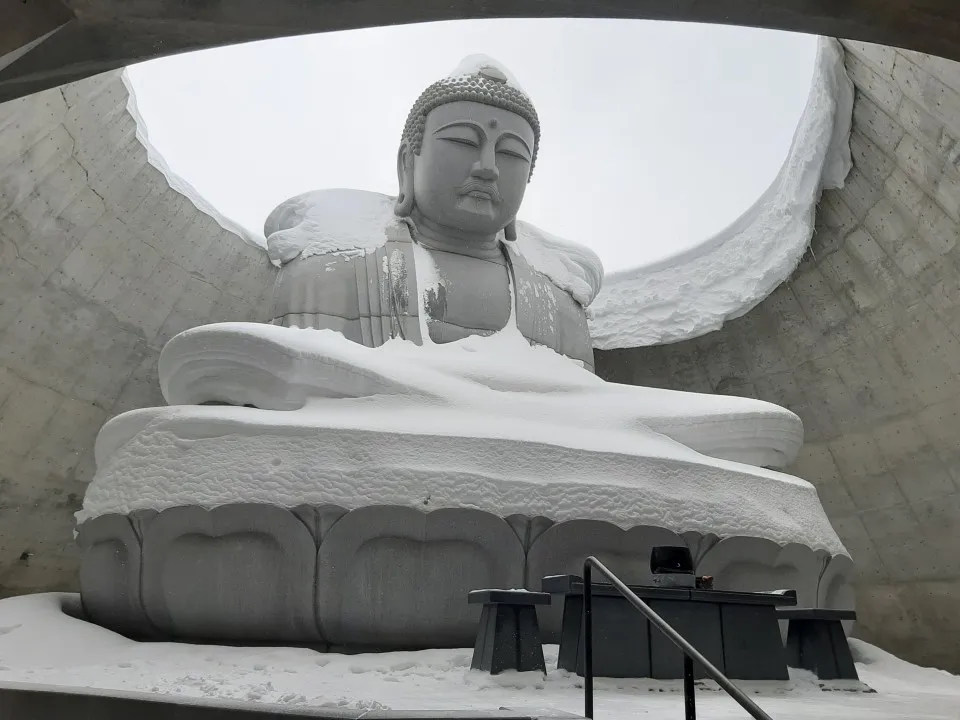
{"points": [[473, 166]]}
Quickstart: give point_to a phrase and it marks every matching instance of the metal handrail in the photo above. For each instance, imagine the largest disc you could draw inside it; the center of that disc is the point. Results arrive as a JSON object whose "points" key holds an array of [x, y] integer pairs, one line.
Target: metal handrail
{"points": [[690, 653]]}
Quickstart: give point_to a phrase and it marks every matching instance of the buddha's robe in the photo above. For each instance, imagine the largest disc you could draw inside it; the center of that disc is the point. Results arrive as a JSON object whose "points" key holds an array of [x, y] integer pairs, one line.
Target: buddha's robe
{"points": [[373, 294]]}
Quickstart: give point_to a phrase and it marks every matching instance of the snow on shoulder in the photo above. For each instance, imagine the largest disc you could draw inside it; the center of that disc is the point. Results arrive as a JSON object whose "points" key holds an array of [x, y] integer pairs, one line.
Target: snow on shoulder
{"points": [[573, 267], [356, 222], [335, 221]]}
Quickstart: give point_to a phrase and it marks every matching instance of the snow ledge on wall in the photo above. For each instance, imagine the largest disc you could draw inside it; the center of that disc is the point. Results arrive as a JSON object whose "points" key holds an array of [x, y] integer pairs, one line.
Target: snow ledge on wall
{"points": [[173, 179], [697, 291]]}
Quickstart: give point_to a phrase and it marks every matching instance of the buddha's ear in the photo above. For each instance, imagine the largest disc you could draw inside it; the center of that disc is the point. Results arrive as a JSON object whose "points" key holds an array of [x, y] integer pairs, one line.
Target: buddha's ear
{"points": [[404, 204], [510, 231]]}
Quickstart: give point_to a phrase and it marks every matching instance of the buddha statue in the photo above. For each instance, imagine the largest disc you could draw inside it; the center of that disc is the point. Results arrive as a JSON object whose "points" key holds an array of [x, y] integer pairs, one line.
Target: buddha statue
{"points": [[448, 250], [422, 419]]}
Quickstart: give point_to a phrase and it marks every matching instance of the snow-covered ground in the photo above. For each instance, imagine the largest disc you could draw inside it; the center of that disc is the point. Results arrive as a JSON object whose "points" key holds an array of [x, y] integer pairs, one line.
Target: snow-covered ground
{"points": [[40, 644]]}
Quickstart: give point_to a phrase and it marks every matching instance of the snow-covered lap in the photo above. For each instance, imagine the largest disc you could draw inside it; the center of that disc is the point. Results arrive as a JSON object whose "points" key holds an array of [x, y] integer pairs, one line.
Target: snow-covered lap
{"points": [[521, 392]]}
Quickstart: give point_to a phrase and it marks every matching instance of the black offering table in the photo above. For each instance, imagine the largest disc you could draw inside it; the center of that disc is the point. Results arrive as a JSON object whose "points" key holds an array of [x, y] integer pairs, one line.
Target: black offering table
{"points": [[736, 631]]}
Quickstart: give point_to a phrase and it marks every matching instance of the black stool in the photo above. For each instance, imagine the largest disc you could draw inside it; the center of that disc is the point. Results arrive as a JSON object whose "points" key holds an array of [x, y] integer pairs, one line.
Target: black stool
{"points": [[816, 642], [508, 637]]}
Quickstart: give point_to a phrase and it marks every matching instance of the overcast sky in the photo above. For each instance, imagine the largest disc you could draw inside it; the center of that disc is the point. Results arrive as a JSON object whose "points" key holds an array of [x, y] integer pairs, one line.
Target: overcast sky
{"points": [[655, 135]]}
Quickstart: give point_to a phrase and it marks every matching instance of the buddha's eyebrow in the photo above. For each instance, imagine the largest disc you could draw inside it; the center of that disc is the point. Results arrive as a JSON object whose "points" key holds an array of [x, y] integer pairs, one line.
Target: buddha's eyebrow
{"points": [[513, 135], [464, 123]]}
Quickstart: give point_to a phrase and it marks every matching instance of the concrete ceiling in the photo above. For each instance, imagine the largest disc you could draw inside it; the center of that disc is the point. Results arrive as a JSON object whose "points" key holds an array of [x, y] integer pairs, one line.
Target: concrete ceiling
{"points": [[99, 35]]}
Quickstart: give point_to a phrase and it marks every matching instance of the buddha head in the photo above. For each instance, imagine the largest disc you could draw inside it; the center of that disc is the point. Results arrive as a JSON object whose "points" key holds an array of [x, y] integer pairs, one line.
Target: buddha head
{"points": [[467, 152]]}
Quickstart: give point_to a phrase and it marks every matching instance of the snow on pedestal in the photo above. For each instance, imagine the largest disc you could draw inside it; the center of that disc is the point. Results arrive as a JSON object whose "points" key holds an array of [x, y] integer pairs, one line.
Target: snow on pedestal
{"points": [[485, 423]]}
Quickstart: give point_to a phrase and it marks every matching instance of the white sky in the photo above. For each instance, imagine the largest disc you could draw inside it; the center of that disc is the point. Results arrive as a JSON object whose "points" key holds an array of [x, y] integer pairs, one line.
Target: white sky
{"points": [[655, 135]]}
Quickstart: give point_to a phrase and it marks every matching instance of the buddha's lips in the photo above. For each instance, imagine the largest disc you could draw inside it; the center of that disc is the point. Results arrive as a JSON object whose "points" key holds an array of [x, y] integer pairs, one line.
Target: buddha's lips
{"points": [[475, 188]]}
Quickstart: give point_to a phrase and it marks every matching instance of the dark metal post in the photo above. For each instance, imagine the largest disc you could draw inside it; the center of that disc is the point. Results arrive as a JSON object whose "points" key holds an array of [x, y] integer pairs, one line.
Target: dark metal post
{"points": [[587, 643], [689, 699]]}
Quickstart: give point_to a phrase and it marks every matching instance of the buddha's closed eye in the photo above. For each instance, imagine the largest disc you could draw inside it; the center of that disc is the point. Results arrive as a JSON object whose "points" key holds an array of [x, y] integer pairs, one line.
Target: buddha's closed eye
{"points": [[468, 142]]}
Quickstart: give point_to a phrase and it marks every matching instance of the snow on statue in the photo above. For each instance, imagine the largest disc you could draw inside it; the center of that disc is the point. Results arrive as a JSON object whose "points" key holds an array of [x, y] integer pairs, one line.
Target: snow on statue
{"points": [[422, 419]]}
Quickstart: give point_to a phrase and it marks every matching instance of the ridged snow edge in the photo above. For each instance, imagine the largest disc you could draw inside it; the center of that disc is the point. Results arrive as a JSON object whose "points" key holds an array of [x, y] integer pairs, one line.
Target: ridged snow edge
{"points": [[697, 291], [174, 180]]}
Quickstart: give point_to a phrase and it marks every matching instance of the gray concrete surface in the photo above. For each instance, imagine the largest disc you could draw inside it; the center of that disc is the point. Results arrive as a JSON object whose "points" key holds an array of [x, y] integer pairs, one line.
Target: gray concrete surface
{"points": [[242, 573], [863, 342], [110, 573], [100, 263], [107, 34]]}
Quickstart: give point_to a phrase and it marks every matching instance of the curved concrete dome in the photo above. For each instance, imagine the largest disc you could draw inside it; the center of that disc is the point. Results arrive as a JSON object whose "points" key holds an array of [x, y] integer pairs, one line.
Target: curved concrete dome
{"points": [[50, 42], [863, 342], [102, 262]]}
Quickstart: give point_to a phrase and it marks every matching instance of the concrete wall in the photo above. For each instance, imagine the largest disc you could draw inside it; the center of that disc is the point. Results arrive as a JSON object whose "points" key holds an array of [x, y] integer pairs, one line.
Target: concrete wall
{"points": [[100, 263], [108, 34], [863, 342]]}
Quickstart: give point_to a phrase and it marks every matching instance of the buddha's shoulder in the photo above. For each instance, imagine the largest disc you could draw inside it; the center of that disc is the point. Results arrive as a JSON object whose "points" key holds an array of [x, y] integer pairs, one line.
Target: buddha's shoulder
{"points": [[569, 265], [335, 221]]}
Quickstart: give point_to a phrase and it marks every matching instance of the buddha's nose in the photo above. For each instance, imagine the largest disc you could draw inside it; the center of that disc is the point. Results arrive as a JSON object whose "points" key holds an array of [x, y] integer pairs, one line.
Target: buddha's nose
{"points": [[486, 167]]}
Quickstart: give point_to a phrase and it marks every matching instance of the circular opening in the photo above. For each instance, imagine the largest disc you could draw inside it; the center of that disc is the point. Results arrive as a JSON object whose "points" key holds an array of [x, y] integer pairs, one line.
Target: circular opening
{"points": [[655, 135]]}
